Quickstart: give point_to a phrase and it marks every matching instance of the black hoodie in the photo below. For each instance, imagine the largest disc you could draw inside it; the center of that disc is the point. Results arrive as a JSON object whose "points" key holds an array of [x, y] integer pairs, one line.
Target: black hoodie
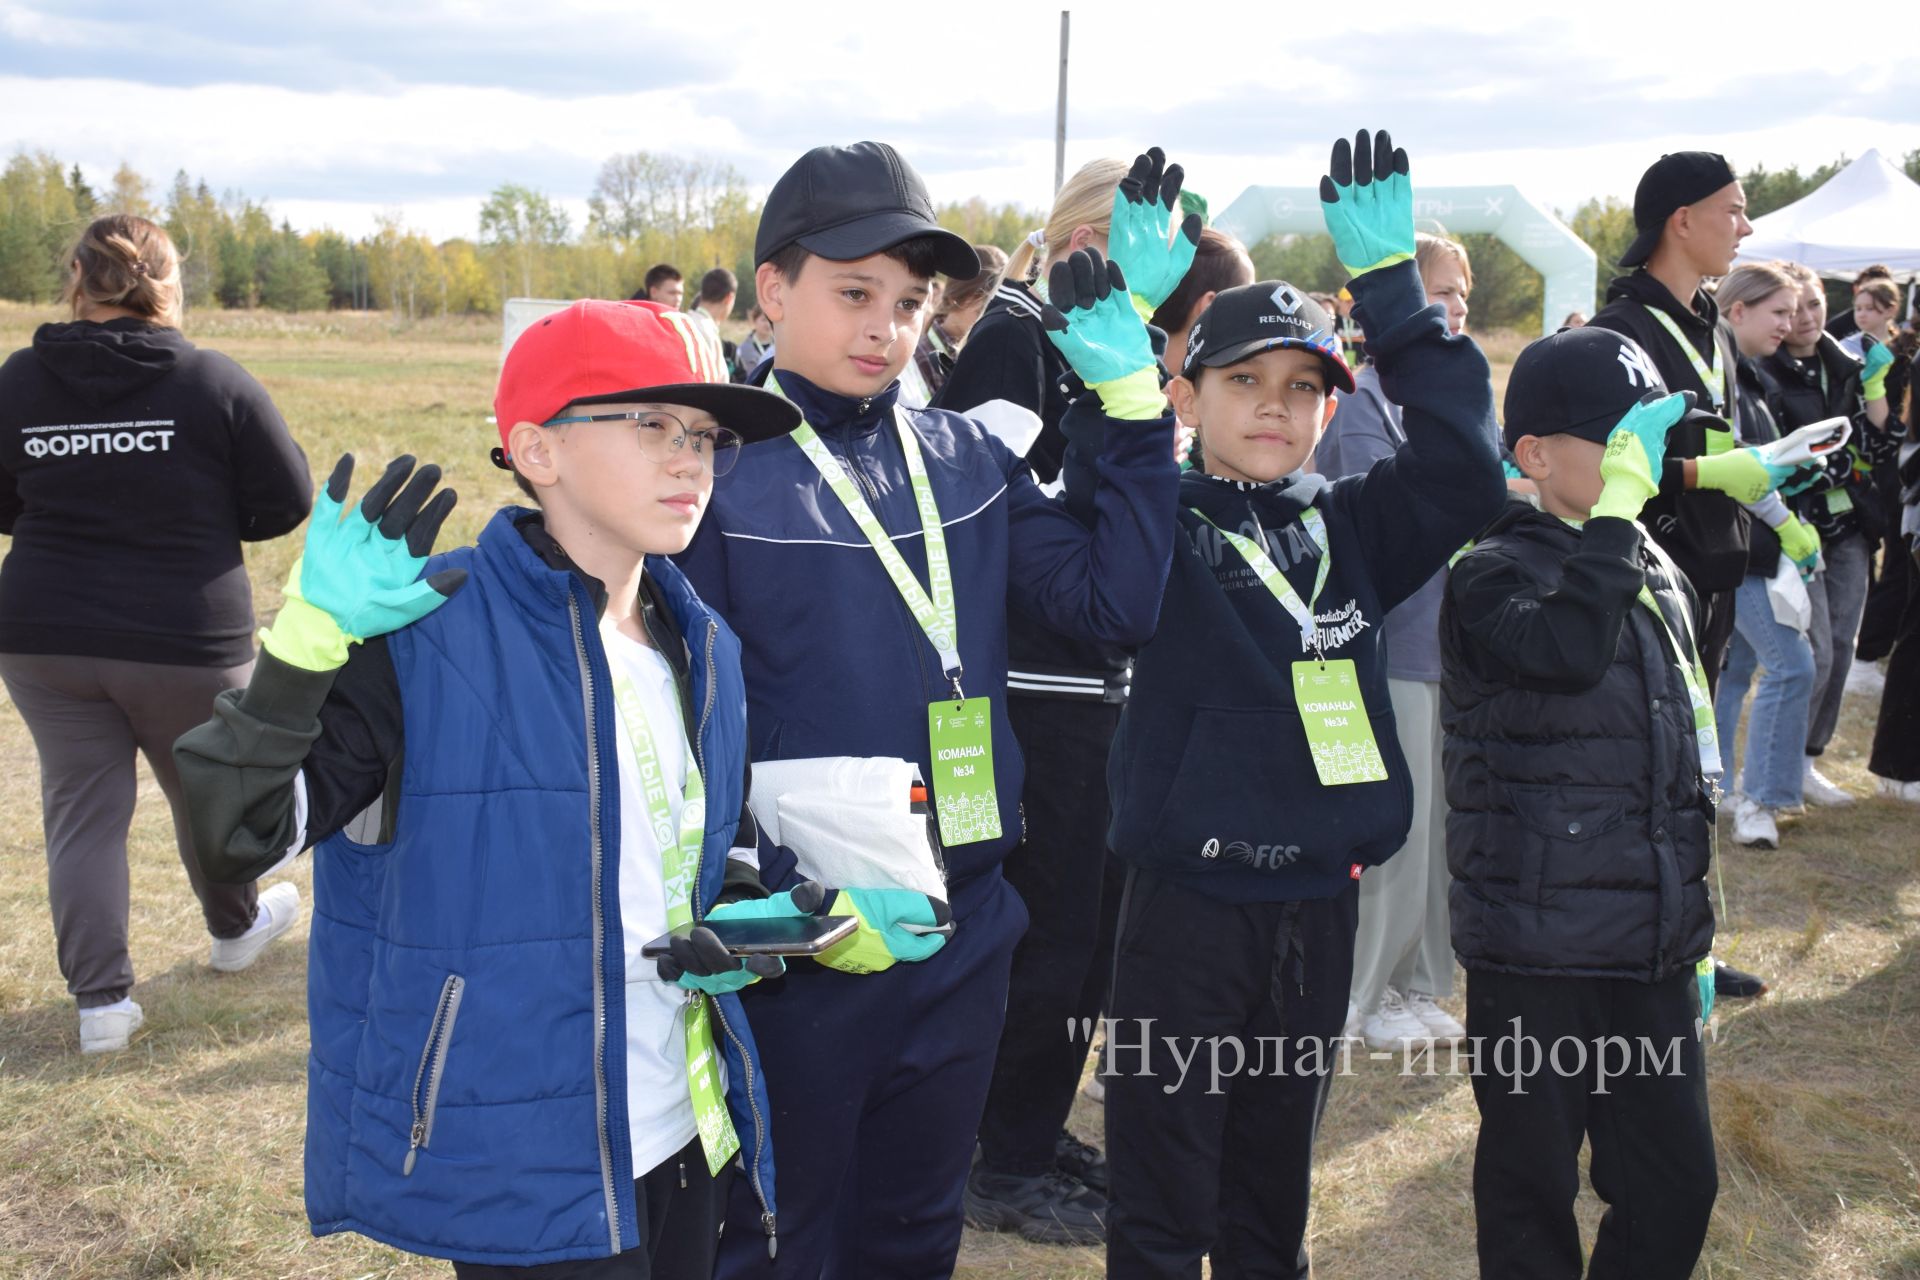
{"points": [[1704, 531], [132, 467]]}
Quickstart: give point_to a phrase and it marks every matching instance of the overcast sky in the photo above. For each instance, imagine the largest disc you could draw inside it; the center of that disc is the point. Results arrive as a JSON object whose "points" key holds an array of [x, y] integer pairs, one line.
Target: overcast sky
{"points": [[333, 115]]}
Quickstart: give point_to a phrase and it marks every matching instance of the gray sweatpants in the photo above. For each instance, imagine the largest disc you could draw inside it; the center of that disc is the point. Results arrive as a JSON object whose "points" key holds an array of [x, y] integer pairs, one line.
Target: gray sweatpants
{"points": [[1404, 939], [88, 717]]}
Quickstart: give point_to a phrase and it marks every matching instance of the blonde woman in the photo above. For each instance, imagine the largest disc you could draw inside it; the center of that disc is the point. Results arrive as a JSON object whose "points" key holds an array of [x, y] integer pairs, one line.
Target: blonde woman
{"points": [[132, 467]]}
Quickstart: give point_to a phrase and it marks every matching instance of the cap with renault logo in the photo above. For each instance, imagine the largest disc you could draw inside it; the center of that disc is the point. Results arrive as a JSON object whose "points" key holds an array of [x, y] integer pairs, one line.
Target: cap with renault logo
{"points": [[1261, 317]]}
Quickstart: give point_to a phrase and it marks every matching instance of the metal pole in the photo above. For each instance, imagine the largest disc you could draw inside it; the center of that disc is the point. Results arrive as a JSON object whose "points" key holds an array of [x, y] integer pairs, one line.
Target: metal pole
{"points": [[1060, 111]]}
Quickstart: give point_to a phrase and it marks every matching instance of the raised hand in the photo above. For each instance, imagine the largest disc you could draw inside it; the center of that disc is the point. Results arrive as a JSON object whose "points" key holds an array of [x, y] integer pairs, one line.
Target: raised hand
{"points": [[1636, 453], [1367, 201], [1137, 239]]}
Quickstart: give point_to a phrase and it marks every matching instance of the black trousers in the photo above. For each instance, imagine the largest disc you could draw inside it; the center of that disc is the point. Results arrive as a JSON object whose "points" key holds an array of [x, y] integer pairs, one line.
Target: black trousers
{"points": [[1896, 737], [1220, 1166], [1653, 1162], [681, 1208], [1716, 635], [1061, 967], [1887, 597]]}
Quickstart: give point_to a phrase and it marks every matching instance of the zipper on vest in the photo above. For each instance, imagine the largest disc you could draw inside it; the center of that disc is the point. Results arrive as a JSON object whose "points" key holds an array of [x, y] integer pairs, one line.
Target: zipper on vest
{"points": [[719, 1015], [433, 1061], [599, 926]]}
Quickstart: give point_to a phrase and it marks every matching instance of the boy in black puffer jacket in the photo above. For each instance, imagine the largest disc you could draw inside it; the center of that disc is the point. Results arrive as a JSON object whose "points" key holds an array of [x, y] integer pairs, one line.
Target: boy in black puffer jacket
{"points": [[1581, 763]]}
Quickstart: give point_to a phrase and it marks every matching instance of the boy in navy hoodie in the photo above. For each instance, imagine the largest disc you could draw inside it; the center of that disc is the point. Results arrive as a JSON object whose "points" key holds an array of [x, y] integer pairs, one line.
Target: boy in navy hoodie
{"points": [[1256, 772], [866, 564]]}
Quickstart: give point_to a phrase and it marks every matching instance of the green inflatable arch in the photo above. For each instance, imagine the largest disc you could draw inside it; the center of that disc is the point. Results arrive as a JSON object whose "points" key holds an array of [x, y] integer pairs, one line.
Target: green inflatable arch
{"points": [[1565, 263]]}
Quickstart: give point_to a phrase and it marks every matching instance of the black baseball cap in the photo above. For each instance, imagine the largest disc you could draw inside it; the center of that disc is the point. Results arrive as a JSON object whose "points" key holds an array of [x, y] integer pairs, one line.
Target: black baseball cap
{"points": [[846, 203], [1259, 317], [1581, 382], [1675, 180]]}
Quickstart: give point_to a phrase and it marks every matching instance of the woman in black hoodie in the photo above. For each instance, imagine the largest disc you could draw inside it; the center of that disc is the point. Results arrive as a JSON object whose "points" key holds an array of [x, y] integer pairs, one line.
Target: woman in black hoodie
{"points": [[132, 467]]}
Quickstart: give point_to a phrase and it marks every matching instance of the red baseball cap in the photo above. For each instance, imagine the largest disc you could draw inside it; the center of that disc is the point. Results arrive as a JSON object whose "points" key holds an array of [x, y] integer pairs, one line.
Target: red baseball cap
{"points": [[601, 352]]}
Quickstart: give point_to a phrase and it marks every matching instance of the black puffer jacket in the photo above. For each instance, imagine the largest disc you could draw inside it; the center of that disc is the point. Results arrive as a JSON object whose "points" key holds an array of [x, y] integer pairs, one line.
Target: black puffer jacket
{"points": [[1580, 825]]}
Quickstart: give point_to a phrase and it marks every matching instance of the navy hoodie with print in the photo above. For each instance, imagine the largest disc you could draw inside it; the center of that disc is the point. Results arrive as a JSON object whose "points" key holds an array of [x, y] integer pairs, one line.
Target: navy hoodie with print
{"points": [[1212, 780]]}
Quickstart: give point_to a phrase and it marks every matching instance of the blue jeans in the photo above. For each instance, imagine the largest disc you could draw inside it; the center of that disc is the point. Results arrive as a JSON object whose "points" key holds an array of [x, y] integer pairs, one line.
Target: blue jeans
{"points": [[1777, 733], [1839, 594]]}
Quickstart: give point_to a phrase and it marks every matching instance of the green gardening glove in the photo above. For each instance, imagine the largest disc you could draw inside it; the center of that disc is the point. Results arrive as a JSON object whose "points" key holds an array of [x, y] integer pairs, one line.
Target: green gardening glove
{"points": [[1801, 544], [895, 925], [1367, 202], [1636, 452], [1137, 236], [1873, 374], [699, 962], [1745, 474], [359, 575], [1090, 320], [1703, 980]]}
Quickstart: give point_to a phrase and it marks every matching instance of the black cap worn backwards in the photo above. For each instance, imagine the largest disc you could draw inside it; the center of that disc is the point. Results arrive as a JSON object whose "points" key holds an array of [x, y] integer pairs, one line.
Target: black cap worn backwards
{"points": [[1674, 181], [846, 203], [1581, 382], [1259, 317]]}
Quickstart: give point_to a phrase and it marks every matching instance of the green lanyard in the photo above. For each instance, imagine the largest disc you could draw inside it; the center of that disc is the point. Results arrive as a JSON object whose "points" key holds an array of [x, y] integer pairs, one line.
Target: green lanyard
{"points": [[1693, 673], [680, 846], [1714, 380], [932, 609], [1276, 582]]}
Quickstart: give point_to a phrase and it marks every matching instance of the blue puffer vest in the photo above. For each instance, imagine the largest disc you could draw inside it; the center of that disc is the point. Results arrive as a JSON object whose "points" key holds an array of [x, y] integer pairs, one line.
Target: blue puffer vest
{"points": [[467, 1081]]}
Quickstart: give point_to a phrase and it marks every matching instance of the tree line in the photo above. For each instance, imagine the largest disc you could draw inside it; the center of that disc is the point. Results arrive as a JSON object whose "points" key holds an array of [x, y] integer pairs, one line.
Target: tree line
{"points": [[646, 207]]}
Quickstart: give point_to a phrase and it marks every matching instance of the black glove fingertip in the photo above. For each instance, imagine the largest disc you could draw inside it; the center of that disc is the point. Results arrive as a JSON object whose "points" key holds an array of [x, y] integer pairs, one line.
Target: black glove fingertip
{"points": [[1327, 193], [1080, 292], [765, 966], [1116, 277], [1340, 167], [448, 581], [808, 896], [942, 913], [1060, 284], [1170, 186], [1362, 158], [341, 478], [1052, 318], [375, 503], [426, 526], [1192, 226], [1382, 156], [1400, 161]]}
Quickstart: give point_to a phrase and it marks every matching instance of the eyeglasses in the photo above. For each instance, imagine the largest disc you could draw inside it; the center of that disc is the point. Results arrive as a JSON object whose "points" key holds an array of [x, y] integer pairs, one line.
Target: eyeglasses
{"points": [[662, 436]]}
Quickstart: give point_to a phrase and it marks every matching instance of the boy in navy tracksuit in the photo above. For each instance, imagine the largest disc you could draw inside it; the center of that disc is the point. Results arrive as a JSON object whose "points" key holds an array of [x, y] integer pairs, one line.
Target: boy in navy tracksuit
{"points": [[877, 1079], [518, 763], [1256, 773]]}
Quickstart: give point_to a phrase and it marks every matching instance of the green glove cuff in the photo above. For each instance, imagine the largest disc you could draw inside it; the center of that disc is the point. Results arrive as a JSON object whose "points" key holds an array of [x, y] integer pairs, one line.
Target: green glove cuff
{"points": [[1622, 502], [1144, 307], [1738, 474], [1391, 260], [1875, 387], [1135, 397], [723, 984], [306, 637]]}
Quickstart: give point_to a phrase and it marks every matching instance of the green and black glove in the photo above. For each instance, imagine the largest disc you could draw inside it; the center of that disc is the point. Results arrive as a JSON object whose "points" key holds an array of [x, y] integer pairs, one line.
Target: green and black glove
{"points": [[1800, 543], [359, 575], [1636, 452], [1089, 318], [1367, 201], [1873, 372], [1137, 238]]}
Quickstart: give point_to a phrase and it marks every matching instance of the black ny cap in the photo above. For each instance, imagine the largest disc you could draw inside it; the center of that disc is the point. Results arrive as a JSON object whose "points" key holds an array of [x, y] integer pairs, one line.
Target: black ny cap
{"points": [[1259, 317], [850, 202], [1674, 181], [1581, 382]]}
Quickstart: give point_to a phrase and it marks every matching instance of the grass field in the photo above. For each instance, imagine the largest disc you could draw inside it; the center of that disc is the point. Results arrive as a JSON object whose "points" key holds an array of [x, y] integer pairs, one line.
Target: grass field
{"points": [[182, 1155]]}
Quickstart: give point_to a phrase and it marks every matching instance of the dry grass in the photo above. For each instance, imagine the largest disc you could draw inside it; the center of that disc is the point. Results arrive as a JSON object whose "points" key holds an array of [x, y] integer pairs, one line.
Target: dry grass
{"points": [[182, 1156]]}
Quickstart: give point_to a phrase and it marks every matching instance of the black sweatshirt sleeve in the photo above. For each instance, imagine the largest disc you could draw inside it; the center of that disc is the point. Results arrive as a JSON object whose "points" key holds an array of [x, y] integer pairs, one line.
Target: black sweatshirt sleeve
{"points": [[1557, 641], [272, 488], [337, 735], [1416, 508], [1000, 361]]}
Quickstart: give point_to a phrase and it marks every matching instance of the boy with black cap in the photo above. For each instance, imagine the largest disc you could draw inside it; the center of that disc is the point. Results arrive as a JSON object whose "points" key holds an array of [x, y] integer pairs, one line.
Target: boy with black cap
{"points": [[1256, 773], [1690, 214], [1582, 767], [518, 763], [867, 565]]}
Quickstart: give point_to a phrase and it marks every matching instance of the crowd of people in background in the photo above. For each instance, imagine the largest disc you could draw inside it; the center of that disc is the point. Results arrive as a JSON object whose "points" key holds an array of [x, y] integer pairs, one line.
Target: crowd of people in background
{"points": [[1792, 589]]}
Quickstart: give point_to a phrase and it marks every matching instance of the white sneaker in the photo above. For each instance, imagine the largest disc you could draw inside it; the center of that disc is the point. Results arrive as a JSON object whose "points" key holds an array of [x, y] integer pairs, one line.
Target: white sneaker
{"points": [[1393, 1026], [279, 908], [108, 1028], [1895, 790], [1753, 824], [1444, 1027], [1817, 788]]}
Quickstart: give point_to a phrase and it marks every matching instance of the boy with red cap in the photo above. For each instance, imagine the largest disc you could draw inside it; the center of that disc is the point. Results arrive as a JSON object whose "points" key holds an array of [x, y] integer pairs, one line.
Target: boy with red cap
{"points": [[519, 762]]}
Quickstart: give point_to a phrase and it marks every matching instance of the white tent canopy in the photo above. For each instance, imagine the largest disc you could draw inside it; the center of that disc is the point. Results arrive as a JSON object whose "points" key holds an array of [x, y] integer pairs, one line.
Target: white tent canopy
{"points": [[1868, 212]]}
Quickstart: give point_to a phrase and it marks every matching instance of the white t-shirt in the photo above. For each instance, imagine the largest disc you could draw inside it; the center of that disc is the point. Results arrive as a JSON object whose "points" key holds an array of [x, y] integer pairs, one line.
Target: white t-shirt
{"points": [[659, 1110]]}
